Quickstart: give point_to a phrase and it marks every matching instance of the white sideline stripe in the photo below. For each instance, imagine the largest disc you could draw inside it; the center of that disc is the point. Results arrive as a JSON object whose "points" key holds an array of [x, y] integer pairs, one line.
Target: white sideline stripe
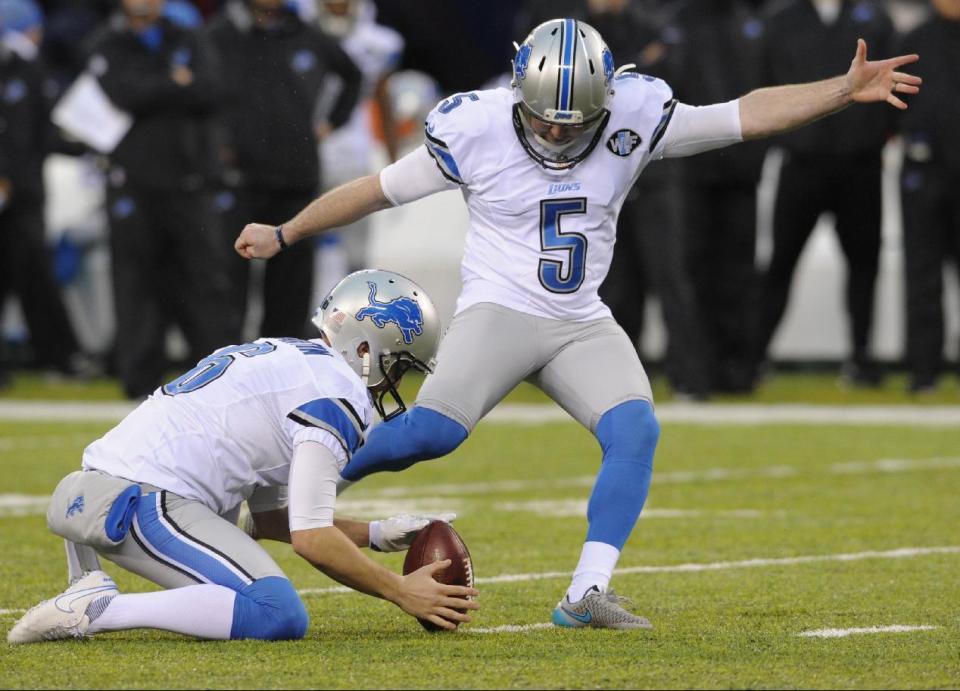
{"points": [[363, 508], [11, 612], [752, 414], [31, 505], [510, 628], [894, 465], [46, 441], [567, 508], [841, 633], [23, 505], [377, 502], [902, 553], [882, 465], [539, 414], [65, 411], [332, 590]]}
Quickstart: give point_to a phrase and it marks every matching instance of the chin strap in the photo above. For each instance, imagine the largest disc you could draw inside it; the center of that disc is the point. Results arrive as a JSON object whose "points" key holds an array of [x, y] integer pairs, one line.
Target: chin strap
{"points": [[365, 369]]}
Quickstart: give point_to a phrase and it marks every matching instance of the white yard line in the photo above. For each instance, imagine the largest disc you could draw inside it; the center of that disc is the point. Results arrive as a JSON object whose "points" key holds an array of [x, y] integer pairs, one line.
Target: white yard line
{"points": [[776, 414], [363, 508], [64, 411], [508, 628], [51, 441], [539, 414], [33, 505], [894, 465], [568, 508], [842, 633], [819, 633], [11, 612], [661, 478], [22, 505], [425, 498], [902, 553]]}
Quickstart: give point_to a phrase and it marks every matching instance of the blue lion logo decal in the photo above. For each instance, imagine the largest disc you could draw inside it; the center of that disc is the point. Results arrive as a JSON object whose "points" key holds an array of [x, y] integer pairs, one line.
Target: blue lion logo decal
{"points": [[608, 67], [521, 61], [402, 311], [76, 506]]}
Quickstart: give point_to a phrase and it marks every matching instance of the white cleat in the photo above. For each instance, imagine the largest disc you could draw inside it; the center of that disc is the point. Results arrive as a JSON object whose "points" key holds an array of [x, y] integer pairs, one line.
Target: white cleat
{"points": [[68, 615]]}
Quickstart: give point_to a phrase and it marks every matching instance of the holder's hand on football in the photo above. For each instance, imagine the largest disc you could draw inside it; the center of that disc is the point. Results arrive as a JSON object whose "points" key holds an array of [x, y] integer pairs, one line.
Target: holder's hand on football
{"points": [[424, 598], [396, 534]]}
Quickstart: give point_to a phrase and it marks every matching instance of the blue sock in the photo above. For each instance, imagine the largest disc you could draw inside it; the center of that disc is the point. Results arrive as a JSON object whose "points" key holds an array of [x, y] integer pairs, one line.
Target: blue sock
{"points": [[418, 435], [628, 436]]}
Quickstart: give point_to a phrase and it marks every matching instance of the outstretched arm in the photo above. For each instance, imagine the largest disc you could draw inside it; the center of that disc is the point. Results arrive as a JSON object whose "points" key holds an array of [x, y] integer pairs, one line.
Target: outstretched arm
{"points": [[770, 111], [338, 207], [413, 177]]}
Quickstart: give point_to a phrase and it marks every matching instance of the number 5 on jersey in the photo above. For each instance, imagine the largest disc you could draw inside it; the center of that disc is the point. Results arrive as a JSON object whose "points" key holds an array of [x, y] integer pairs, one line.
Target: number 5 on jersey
{"points": [[556, 275]]}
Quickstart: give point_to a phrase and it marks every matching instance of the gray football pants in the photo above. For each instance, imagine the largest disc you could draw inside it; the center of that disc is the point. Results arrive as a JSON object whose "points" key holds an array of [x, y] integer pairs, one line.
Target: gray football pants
{"points": [[586, 367], [175, 542]]}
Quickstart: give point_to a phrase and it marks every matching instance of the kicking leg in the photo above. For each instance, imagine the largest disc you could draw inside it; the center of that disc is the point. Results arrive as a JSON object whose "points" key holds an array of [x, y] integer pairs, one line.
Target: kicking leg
{"points": [[486, 352], [419, 434]]}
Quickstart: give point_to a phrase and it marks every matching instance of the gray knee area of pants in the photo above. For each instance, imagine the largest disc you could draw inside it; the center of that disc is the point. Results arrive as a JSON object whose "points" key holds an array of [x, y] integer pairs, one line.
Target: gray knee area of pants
{"points": [[203, 525]]}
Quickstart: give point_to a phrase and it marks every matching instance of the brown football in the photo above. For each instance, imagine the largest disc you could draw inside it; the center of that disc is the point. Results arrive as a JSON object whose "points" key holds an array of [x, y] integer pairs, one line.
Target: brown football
{"points": [[436, 542]]}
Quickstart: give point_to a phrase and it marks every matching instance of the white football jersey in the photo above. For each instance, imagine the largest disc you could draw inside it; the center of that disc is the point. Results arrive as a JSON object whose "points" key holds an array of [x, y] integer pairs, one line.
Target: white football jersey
{"points": [[540, 241], [230, 425]]}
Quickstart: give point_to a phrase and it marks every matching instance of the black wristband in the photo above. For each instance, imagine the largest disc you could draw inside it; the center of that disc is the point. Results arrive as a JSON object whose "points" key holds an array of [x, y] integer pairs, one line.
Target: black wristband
{"points": [[279, 233]]}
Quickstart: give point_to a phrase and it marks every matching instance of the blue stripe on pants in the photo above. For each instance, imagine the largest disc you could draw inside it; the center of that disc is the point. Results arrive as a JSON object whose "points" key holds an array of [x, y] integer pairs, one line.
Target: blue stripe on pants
{"points": [[183, 554]]}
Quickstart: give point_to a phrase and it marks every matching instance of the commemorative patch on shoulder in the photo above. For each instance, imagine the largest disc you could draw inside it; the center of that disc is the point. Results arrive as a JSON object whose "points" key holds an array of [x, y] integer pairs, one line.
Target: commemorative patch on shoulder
{"points": [[623, 142]]}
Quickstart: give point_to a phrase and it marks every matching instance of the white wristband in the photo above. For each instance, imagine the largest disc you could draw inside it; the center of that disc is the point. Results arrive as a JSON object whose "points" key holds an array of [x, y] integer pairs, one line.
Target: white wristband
{"points": [[374, 528]]}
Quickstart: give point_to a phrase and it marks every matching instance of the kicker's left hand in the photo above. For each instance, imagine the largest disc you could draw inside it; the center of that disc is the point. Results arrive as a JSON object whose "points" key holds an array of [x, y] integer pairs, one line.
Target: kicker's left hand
{"points": [[879, 80]]}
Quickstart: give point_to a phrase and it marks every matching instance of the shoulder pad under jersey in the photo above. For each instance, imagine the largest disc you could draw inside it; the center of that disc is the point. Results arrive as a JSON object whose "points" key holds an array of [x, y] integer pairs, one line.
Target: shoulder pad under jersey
{"points": [[457, 130]]}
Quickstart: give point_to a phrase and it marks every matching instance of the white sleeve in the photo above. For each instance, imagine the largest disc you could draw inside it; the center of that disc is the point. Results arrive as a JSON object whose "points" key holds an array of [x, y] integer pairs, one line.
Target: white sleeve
{"points": [[413, 177], [695, 129], [312, 486]]}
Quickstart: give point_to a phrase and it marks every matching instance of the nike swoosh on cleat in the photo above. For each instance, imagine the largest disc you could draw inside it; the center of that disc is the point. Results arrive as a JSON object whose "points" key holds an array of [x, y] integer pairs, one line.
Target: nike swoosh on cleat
{"points": [[72, 597], [582, 618]]}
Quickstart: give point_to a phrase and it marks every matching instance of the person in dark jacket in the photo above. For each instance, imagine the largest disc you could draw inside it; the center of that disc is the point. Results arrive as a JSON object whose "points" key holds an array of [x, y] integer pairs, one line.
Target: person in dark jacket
{"points": [[650, 256], [716, 54], [26, 137], [930, 185], [833, 165], [276, 68], [167, 256]]}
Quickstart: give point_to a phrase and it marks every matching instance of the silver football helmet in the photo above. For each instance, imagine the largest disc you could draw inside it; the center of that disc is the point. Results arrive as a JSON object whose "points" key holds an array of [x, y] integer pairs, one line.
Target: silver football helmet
{"points": [[562, 81], [394, 317]]}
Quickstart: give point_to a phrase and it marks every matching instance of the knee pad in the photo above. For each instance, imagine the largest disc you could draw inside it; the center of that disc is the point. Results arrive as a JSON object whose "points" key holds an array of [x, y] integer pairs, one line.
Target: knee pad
{"points": [[629, 432], [269, 609]]}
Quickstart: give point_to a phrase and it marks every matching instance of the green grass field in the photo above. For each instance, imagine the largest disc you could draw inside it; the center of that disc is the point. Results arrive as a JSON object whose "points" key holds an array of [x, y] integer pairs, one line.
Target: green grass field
{"points": [[752, 536]]}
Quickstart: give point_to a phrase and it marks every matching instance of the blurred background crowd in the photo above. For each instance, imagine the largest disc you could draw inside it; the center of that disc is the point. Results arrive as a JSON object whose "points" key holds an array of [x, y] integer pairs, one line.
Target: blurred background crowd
{"points": [[137, 137]]}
